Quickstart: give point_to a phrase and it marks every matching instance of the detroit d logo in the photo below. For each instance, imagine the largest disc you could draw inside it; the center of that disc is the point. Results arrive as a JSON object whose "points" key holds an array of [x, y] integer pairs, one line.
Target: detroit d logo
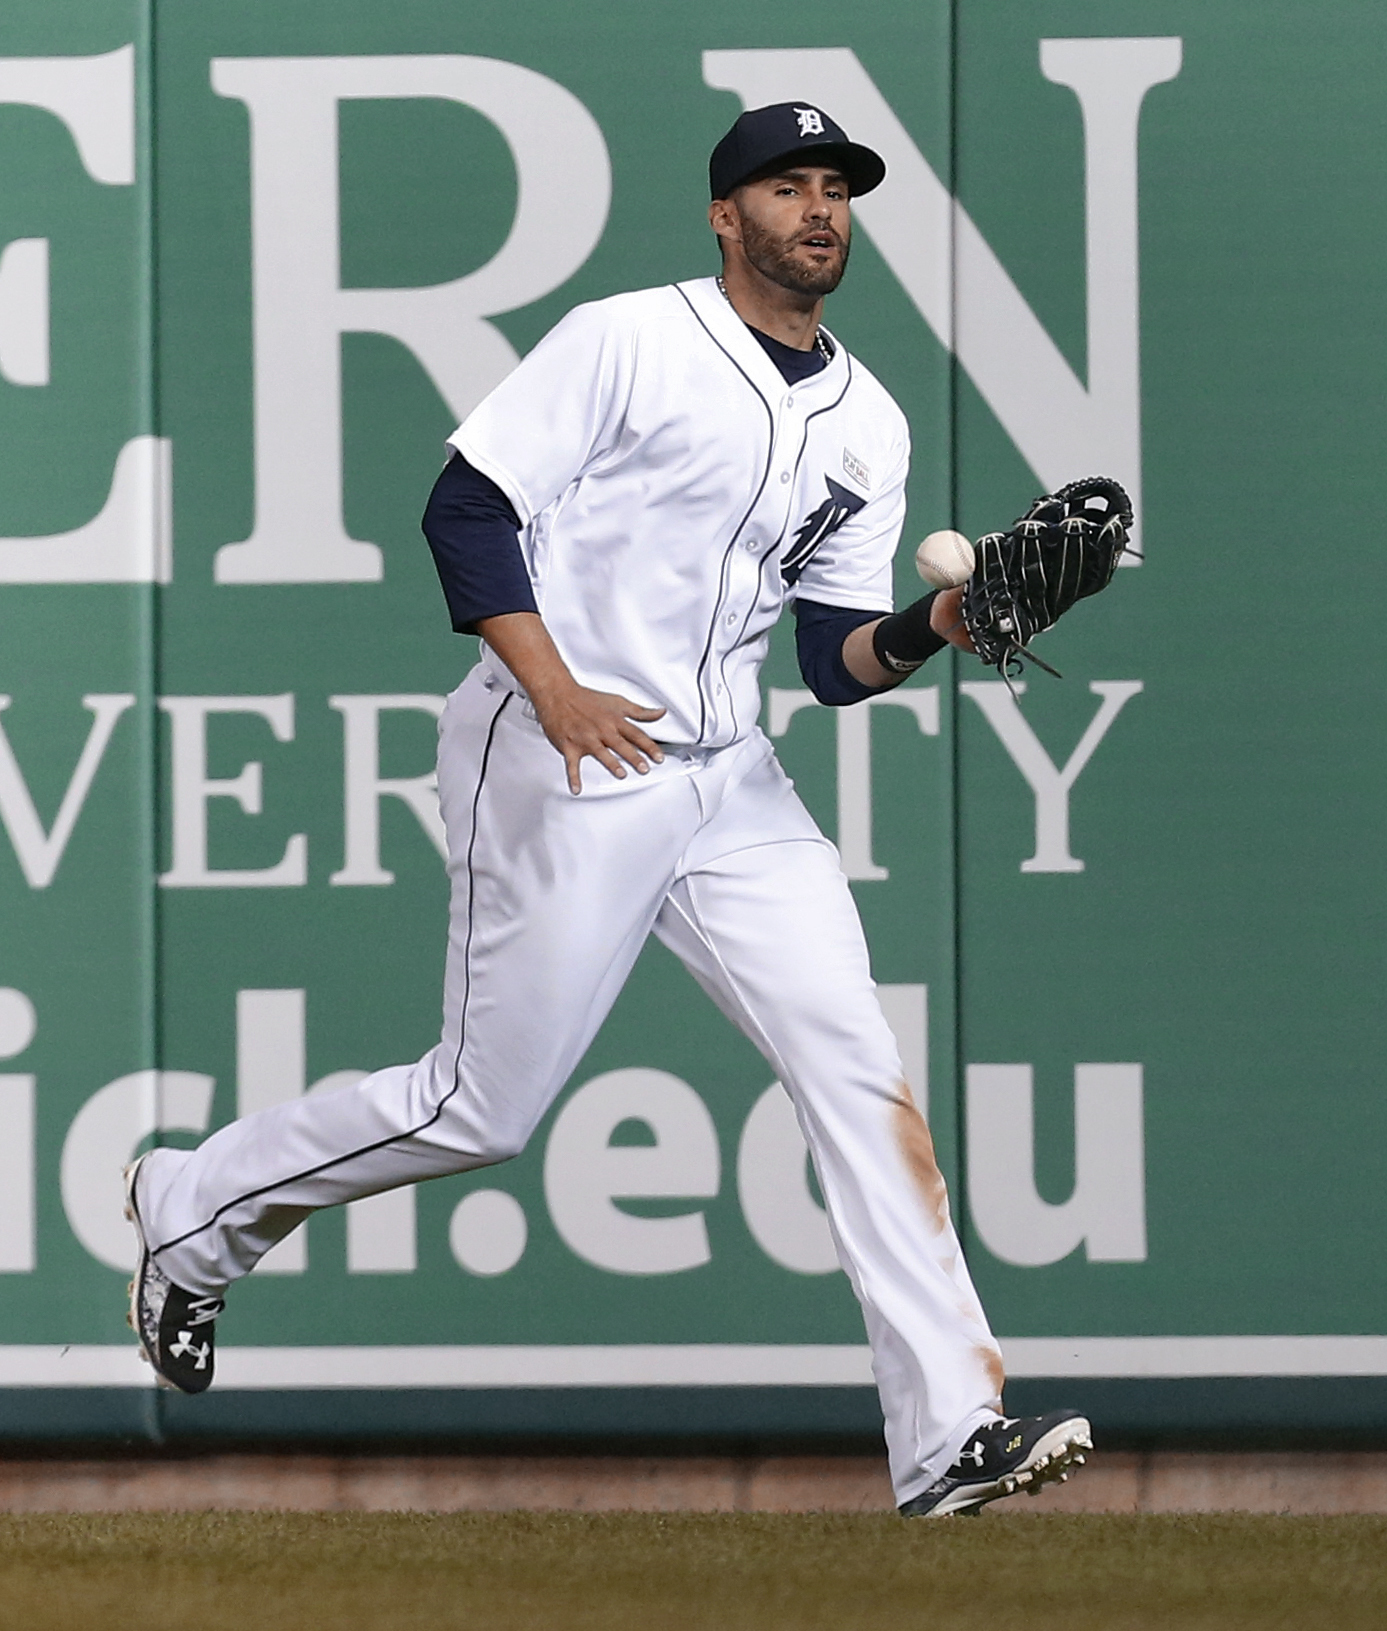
{"points": [[811, 121]]}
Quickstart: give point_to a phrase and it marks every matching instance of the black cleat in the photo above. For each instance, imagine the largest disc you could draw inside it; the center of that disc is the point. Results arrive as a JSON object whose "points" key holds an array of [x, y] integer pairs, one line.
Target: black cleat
{"points": [[1003, 1457], [175, 1327]]}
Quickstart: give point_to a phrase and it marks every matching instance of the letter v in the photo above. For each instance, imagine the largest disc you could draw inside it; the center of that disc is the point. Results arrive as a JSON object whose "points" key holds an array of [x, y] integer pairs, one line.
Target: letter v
{"points": [[39, 852]]}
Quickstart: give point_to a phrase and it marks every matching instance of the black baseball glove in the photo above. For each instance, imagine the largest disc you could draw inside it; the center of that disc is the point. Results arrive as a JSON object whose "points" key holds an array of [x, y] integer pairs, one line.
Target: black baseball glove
{"points": [[1066, 546]]}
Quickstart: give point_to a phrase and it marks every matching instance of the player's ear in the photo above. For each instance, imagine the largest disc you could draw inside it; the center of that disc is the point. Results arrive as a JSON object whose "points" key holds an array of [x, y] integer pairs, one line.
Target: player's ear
{"points": [[725, 219]]}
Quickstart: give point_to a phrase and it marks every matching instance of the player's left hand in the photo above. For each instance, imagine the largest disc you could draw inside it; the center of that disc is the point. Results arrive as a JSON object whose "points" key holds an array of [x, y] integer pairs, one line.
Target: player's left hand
{"points": [[946, 618]]}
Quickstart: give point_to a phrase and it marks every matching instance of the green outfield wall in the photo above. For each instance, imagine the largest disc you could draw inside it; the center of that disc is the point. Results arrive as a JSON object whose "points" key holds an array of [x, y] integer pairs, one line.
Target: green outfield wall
{"points": [[257, 259]]}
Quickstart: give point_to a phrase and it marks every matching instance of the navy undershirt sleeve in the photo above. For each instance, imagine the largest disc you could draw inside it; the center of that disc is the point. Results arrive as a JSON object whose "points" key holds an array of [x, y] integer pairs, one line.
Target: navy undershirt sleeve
{"points": [[474, 533], [819, 635]]}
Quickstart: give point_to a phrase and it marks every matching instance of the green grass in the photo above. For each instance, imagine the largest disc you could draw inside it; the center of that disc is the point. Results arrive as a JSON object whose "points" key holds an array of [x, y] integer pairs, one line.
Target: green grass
{"points": [[244, 1571]]}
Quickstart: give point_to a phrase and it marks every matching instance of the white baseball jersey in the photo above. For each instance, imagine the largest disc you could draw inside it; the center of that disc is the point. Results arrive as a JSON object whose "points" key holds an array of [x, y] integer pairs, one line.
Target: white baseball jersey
{"points": [[674, 491]]}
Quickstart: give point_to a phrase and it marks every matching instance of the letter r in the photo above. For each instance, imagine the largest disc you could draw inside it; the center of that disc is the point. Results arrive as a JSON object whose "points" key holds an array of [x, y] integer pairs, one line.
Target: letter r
{"points": [[301, 311]]}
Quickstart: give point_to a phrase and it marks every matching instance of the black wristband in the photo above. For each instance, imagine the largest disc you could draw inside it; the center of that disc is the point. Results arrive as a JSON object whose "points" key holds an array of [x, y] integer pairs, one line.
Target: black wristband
{"points": [[905, 639]]}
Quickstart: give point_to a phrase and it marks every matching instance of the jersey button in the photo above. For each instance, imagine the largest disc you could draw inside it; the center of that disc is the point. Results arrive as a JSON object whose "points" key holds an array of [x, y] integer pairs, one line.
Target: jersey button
{"points": [[784, 476]]}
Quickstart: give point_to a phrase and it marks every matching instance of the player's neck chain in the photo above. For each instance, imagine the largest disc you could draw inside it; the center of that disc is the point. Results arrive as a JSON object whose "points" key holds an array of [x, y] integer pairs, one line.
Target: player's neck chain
{"points": [[821, 344]]}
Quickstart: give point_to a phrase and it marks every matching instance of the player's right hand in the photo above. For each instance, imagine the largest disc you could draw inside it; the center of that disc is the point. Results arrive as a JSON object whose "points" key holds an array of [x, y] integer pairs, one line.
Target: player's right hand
{"points": [[600, 725]]}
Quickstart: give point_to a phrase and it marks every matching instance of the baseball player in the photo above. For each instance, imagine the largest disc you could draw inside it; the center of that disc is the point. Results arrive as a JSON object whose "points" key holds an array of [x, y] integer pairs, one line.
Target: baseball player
{"points": [[622, 521]]}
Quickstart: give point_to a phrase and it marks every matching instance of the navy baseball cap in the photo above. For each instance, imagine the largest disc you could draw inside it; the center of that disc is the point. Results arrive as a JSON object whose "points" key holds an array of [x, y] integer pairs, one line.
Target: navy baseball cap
{"points": [[795, 132]]}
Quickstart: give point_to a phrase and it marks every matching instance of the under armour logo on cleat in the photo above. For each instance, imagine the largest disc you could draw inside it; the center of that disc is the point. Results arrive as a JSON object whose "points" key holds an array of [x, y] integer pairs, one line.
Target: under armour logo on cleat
{"points": [[974, 1453], [811, 121], [185, 1346]]}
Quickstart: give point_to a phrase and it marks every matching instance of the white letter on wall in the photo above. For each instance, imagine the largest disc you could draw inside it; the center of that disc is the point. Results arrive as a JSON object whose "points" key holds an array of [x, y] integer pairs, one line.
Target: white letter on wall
{"points": [[854, 746], [18, 1023], [130, 539], [1107, 1210], [301, 311], [103, 1137], [1050, 784], [40, 852], [584, 1172], [956, 282], [783, 1217], [24, 312], [192, 788], [271, 1068], [364, 787]]}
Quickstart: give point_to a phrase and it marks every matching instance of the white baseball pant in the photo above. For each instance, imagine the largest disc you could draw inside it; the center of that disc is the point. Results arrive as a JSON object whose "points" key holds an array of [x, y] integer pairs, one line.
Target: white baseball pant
{"points": [[552, 898]]}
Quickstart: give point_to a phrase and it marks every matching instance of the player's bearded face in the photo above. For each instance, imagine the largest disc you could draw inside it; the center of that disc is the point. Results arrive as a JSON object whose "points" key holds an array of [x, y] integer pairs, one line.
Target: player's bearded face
{"points": [[806, 256]]}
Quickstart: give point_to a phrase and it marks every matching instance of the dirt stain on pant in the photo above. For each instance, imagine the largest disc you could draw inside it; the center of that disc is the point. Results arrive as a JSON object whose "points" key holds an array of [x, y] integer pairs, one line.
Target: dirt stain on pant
{"points": [[991, 1360], [917, 1147]]}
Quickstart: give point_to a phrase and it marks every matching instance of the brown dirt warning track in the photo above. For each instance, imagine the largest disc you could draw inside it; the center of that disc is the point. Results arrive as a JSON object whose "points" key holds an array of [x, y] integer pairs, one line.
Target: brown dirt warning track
{"points": [[273, 1571]]}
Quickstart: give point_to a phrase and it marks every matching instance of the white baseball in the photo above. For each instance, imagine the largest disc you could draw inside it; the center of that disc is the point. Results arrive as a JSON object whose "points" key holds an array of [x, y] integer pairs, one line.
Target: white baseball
{"points": [[945, 559]]}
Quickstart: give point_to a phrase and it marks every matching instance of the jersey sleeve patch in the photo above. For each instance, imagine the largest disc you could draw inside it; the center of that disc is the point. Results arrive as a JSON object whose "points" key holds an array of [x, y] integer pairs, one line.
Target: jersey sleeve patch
{"points": [[857, 470]]}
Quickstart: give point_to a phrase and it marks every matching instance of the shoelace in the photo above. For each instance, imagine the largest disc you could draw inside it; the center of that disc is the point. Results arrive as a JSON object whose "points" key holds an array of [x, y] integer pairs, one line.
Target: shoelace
{"points": [[203, 1310]]}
